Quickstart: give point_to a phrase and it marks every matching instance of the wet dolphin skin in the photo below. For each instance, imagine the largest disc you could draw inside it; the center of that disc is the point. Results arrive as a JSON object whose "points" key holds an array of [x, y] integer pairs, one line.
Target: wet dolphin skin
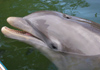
{"points": [[71, 43]]}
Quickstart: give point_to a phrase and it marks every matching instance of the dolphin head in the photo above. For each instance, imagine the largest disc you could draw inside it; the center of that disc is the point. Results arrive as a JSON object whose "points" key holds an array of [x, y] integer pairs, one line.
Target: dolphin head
{"points": [[56, 35]]}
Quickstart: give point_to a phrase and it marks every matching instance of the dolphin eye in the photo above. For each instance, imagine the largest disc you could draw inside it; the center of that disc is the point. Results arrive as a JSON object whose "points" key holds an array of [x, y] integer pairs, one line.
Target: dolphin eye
{"points": [[53, 46]]}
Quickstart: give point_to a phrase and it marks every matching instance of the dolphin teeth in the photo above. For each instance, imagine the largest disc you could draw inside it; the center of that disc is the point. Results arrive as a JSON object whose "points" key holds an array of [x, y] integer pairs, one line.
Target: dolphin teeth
{"points": [[18, 31]]}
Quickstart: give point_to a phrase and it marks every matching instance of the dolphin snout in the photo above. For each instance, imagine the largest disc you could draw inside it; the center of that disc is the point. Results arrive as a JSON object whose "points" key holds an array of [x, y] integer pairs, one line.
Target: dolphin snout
{"points": [[11, 19]]}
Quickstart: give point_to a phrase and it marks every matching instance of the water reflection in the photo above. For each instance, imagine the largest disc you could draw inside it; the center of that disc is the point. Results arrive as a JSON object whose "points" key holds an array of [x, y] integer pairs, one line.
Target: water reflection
{"points": [[95, 14], [65, 6]]}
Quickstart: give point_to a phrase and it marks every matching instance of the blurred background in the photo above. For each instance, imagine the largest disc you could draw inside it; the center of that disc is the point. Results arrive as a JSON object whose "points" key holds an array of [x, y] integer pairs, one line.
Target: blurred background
{"points": [[17, 55]]}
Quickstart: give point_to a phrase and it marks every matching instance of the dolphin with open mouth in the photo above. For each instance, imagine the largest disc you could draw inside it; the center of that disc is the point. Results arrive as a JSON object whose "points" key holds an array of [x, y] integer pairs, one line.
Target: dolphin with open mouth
{"points": [[71, 43]]}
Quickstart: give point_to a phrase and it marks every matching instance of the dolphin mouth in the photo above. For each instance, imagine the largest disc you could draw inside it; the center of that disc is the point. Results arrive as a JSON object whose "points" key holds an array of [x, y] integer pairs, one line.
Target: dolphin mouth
{"points": [[6, 29], [12, 32]]}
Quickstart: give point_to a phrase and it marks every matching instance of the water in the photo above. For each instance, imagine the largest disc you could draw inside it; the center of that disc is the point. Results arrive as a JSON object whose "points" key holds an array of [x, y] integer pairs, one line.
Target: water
{"points": [[17, 55]]}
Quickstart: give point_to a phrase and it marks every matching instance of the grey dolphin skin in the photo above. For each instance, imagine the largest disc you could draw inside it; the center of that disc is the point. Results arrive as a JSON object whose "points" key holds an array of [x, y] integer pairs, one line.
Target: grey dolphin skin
{"points": [[71, 43]]}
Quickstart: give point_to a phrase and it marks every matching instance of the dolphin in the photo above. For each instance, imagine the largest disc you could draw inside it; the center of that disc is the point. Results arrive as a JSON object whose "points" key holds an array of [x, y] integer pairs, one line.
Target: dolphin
{"points": [[71, 43]]}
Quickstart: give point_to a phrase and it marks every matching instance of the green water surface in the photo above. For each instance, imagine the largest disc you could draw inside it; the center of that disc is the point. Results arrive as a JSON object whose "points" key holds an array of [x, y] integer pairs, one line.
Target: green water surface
{"points": [[17, 55]]}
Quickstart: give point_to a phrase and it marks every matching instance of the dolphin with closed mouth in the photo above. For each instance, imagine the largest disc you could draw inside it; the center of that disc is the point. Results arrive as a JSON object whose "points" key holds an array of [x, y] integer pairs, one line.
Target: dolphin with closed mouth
{"points": [[71, 43]]}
